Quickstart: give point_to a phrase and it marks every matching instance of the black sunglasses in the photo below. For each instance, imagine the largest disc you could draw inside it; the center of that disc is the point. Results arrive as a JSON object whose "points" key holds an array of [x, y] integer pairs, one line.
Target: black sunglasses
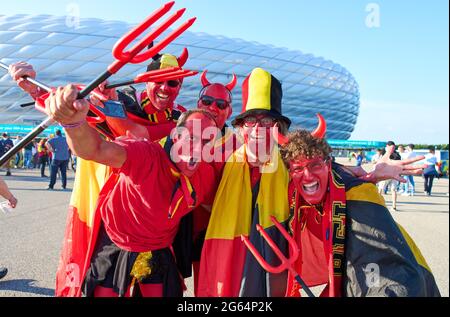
{"points": [[208, 101], [171, 83]]}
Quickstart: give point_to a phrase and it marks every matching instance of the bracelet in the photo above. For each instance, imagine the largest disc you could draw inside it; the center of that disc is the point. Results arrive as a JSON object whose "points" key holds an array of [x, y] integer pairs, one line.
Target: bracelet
{"points": [[73, 125]]}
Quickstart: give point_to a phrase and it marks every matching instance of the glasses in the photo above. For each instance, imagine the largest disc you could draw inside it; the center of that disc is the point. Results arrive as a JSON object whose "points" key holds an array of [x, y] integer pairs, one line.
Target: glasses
{"points": [[170, 83], [313, 167], [220, 103], [266, 122]]}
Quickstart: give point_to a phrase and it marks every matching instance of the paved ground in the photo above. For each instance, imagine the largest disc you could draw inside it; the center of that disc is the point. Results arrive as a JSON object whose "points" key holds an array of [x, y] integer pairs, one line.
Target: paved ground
{"points": [[31, 237]]}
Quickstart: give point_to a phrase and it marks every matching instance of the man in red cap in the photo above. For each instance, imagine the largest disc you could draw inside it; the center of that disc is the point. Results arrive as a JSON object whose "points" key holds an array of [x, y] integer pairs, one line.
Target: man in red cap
{"points": [[151, 188]]}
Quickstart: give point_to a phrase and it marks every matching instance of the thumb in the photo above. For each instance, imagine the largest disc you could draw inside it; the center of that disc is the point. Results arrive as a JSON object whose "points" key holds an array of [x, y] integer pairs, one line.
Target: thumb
{"points": [[81, 105]]}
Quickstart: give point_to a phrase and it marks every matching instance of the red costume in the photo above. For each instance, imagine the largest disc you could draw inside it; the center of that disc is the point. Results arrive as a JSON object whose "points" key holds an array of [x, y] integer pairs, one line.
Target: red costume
{"points": [[83, 222]]}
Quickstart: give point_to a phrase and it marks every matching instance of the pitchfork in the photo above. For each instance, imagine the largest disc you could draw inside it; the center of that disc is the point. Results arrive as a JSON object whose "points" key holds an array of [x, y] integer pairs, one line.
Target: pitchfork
{"points": [[286, 264], [165, 74], [122, 58]]}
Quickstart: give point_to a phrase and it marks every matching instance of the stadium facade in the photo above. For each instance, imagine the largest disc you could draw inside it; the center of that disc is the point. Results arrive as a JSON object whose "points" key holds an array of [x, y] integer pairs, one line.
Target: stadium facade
{"points": [[63, 53]]}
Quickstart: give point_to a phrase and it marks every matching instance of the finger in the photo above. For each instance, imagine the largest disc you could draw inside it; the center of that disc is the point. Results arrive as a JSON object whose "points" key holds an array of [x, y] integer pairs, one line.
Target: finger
{"points": [[80, 105], [414, 167], [64, 105], [70, 94], [413, 160], [415, 172]]}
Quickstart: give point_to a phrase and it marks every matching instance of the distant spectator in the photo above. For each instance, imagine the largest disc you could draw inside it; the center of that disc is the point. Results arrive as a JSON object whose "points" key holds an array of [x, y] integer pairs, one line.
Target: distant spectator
{"points": [[7, 145], [42, 156], [28, 155], [60, 149], [410, 185], [377, 156], [392, 184], [430, 171], [19, 156], [359, 158]]}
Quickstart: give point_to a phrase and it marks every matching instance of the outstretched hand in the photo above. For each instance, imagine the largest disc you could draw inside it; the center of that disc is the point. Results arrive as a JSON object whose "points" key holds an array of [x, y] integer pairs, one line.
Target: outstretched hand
{"points": [[386, 168]]}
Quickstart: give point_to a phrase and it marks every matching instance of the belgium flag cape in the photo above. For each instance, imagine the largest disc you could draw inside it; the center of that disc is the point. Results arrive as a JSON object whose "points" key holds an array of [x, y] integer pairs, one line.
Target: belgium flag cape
{"points": [[82, 227], [227, 269], [371, 255], [83, 222]]}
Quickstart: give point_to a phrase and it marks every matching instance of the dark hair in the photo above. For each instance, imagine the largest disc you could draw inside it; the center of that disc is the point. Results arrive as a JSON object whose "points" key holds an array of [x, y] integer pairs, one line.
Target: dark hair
{"points": [[58, 132], [411, 146], [303, 144], [5, 134], [391, 143], [432, 149]]}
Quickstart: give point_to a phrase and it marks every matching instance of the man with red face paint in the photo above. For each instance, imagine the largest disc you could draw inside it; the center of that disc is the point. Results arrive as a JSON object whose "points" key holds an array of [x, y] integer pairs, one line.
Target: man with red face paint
{"points": [[152, 114], [216, 99], [349, 243], [151, 188], [253, 187]]}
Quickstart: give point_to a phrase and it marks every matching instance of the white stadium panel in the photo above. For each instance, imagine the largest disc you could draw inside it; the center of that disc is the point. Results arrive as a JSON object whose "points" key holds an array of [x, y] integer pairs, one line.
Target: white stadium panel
{"points": [[62, 53]]}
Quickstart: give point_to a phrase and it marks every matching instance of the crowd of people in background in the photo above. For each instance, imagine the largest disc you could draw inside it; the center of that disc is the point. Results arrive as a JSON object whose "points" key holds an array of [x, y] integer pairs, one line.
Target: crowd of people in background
{"points": [[431, 171], [52, 152]]}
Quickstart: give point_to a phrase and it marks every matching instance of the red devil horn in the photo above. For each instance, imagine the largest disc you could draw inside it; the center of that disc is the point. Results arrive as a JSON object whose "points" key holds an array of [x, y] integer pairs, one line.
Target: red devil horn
{"points": [[232, 83], [205, 81], [183, 57], [321, 129]]}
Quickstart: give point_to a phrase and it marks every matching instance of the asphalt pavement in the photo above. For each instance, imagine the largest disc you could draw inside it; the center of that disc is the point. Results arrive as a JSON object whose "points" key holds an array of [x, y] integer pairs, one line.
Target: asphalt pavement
{"points": [[31, 236]]}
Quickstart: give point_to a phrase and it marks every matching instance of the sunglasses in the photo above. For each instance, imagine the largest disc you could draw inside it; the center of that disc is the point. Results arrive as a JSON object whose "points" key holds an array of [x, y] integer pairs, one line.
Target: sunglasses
{"points": [[208, 101], [265, 122], [313, 167], [170, 83]]}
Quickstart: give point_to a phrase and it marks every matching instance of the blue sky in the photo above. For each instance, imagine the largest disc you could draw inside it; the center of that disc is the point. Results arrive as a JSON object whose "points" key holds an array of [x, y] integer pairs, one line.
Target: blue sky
{"points": [[402, 66]]}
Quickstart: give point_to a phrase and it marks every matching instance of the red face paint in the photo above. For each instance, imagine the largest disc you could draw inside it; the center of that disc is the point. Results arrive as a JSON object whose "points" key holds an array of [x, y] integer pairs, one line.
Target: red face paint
{"points": [[258, 137], [189, 143], [310, 177], [216, 99], [162, 95]]}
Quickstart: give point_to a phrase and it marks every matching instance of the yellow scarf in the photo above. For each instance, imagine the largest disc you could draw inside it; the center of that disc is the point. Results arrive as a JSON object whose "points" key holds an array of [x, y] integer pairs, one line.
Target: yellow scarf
{"points": [[232, 208]]}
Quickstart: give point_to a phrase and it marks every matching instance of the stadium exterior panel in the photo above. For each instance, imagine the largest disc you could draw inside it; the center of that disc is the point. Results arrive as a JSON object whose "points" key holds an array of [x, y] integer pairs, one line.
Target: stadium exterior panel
{"points": [[63, 51]]}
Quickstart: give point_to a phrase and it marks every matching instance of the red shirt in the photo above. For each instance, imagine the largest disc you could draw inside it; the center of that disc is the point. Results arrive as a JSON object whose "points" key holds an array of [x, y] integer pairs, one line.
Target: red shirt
{"points": [[135, 201]]}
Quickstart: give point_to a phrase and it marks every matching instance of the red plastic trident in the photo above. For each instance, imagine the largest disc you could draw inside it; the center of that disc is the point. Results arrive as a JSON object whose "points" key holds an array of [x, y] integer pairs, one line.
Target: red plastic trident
{"points": [[158, 75], [286, 263], [134, 55]]}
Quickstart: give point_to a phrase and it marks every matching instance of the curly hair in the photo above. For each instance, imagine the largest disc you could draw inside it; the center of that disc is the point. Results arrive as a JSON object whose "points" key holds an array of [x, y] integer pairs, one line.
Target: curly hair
{"points": [[303, 144]]}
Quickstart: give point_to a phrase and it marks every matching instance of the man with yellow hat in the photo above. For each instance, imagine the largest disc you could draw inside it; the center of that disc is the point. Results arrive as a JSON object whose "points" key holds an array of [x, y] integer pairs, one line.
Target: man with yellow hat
{"points": [[253, 187]]}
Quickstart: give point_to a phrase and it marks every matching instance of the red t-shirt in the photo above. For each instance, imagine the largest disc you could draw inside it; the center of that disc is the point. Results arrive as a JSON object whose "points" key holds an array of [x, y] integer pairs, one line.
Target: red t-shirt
{"points": [[135, 201]]}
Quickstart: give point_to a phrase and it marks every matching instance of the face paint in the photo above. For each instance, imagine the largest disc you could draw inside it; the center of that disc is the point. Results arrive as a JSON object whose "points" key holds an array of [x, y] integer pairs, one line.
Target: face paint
{"points": [[162, 95], [216, 100], [258, 137], [310, 177], [191, 141]]}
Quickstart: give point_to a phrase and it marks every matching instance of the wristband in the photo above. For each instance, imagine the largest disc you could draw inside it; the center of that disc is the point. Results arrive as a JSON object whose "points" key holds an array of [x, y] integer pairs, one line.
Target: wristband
{"points": [[73, 125]]}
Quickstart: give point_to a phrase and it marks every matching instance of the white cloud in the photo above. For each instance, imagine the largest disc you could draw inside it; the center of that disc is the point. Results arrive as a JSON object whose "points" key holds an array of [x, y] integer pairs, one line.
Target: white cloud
{"points": [[402, 123]]}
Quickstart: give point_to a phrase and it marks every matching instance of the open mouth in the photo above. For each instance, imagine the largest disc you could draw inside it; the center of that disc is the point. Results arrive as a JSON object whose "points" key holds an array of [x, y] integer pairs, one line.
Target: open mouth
{"points": [[162, 96], [311, 188]]}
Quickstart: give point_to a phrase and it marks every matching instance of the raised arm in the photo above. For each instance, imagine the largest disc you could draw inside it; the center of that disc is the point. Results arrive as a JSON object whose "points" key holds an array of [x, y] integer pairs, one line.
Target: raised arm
{"points": [[83, 140]]}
